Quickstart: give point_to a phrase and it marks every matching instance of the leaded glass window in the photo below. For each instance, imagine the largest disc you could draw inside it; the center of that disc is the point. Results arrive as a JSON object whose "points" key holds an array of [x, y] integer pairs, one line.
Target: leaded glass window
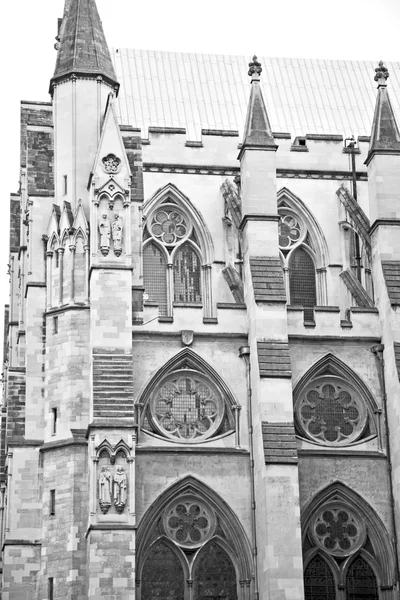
{"points": [[186, 407], [331, 412], [187, 275], [302, 281], [172, 259], [297, 258], [338, 531], [215, 576], [155, 275], [360, 581], [162, 576], [319, 583]]}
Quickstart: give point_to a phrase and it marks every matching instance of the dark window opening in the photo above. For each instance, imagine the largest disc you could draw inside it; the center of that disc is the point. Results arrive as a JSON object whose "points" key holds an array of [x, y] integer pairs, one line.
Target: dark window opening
{"points": [[215, 576], [65, 185], [54, 421], [55, 325], [302, 282], [50, 588], [162, 576], [318, 581], [187, 276], [361, 581], [52, 502]]}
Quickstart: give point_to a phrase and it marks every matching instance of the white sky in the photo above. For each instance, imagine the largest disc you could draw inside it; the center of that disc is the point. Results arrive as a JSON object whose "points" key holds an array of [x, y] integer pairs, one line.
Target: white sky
{"points": [[344, 29]]}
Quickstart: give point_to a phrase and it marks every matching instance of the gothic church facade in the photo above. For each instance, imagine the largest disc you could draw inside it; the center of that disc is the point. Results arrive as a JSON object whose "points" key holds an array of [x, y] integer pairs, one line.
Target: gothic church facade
{"points": [[202, 349]]}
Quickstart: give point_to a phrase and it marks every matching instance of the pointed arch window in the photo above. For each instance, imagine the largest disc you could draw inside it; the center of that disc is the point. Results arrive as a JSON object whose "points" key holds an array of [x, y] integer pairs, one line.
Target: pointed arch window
{"points": [[318, 580], [172, 259], [298, 259], [186, 545], [162, 576], [361, 582]]}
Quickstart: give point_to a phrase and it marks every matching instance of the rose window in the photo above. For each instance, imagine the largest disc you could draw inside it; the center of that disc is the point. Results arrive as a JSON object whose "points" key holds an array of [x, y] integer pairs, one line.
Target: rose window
{"points": [[331, 413], [189, 523], [338, 531], [187, 408], [290, 231], [169, 226]]}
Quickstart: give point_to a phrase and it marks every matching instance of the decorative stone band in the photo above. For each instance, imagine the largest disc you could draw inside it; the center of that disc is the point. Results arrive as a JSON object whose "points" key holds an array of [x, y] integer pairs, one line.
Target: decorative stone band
{"points": [[274, 359], [357, 216], [268, 282], [112, 384], [356, 289], [279, 443], [230, 171], [397, 357], [391, 273]]}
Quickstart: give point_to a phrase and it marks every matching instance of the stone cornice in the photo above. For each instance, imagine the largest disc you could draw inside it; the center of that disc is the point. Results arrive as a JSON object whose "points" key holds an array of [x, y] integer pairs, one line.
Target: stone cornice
{"points": [[384, 223], [226, 171]]}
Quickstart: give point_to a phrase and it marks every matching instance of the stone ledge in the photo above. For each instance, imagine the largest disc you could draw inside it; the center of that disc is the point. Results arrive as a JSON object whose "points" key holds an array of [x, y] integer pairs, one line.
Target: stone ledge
{"points": [[279, 443], [274, 359], [189, 449]]}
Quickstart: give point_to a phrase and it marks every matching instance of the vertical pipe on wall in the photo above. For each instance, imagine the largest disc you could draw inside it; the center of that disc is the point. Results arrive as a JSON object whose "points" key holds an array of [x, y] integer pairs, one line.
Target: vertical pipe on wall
{"points": [[244, 352], [378, 352]]}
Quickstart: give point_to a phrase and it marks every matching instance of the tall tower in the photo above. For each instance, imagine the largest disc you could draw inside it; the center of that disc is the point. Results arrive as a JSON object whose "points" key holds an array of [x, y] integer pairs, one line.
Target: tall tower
{"points": [[83, 78]]}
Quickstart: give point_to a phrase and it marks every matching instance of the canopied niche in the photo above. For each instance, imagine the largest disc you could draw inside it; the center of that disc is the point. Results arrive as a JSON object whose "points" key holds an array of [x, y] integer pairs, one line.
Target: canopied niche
{"points": [[113, 482]]}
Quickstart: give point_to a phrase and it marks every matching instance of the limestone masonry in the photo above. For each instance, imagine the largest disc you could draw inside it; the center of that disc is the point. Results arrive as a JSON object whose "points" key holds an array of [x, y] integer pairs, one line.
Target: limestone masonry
{"points": [[202, 345]]}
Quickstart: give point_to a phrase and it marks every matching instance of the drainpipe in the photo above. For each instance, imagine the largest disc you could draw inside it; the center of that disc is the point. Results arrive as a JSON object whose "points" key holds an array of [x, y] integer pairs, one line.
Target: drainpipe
{"points": [[244, 352], [378, 352]]}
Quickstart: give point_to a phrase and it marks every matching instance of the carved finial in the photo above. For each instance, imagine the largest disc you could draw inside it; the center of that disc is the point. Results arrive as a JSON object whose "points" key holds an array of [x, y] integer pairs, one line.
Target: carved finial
{"points": [[255, 69], [381, 74]]}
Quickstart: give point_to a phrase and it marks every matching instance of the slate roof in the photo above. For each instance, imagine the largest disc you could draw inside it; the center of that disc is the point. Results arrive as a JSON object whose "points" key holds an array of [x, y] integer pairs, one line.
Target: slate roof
{"points": [[391, 273], [273, 359], [83, 47], [279, 443], [195, 91], [267, 276]]}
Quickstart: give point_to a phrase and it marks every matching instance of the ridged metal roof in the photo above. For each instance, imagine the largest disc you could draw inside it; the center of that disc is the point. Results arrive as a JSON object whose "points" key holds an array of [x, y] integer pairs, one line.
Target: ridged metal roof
{"points": [[208, 91]]}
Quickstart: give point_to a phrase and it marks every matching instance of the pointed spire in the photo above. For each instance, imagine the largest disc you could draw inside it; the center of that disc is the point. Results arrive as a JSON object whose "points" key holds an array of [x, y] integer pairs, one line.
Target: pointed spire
{"points": [[257, 129], [83, 49], [385, 136]]}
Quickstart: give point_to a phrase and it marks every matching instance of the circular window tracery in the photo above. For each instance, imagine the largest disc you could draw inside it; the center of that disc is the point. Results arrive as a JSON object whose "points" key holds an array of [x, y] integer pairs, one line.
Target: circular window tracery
{"points": [[330, 412], [186, 407], [338, 530], [290, 230], [189, 522], [169, 226]]}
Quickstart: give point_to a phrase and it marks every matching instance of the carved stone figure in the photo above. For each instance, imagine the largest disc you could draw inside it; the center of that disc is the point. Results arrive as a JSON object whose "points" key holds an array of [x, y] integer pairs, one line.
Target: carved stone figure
{"points": [[117, 228], [105, 489], [120, 489], [105, 234]]}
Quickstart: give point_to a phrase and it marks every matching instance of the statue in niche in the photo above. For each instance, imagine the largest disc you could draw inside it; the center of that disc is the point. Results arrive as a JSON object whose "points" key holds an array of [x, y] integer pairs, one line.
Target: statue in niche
{"points": [[105, 234], [120, 489], [105, 489], [117, 228]]}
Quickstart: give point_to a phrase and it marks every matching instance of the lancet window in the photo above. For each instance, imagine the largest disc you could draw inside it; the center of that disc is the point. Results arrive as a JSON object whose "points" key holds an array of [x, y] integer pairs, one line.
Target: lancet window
{"points": [[298, 258], [347, 551], [172, 259], [177, 254], [191, 546]]}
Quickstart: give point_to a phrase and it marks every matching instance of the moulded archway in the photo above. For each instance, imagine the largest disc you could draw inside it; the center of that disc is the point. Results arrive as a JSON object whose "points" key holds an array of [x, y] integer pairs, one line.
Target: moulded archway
{"points": [[228, 534]]}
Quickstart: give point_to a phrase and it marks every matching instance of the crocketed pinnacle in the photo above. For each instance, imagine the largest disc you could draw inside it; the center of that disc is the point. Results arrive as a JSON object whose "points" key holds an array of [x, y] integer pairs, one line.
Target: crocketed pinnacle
{"points": [[385, 136], [257, 129], [83, 49]]}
